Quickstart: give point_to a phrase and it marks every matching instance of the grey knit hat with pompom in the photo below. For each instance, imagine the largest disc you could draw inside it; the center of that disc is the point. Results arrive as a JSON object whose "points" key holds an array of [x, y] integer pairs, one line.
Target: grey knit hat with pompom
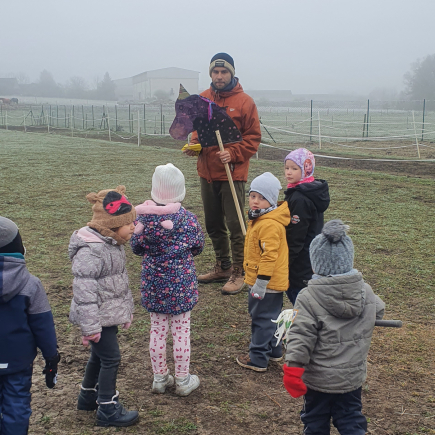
{"points": [[331, 252]]}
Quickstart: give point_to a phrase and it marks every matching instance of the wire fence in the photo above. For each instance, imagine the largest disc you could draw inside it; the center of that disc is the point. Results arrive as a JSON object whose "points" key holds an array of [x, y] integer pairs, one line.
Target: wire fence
{"points": [[400, 129]]}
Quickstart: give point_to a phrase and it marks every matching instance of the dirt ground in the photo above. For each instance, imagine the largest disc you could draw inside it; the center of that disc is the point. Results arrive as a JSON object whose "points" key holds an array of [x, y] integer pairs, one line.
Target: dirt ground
{"points": [[398, 396]]}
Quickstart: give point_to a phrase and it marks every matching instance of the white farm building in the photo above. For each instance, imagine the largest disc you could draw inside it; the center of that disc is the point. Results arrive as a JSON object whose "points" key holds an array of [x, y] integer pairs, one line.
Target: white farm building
{"points": [[164, 81]]}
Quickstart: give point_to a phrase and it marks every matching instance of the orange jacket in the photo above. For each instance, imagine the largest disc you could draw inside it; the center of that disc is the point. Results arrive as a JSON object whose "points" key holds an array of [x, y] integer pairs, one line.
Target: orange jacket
{"points": [[243, 111]]}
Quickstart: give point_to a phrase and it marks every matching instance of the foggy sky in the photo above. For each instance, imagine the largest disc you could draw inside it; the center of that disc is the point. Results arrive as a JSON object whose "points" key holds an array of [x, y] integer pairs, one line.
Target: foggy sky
{"points": [[307, 46]]}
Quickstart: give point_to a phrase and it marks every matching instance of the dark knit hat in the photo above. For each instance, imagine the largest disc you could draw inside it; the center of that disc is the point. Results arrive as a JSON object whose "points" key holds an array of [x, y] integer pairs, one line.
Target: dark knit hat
{"points": [[111, 211], [10, 238], [222, 60], [331, 252]]}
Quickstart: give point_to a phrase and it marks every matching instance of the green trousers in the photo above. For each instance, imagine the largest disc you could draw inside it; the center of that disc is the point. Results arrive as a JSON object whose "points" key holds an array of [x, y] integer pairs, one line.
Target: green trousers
{"points": [[221, 216]]}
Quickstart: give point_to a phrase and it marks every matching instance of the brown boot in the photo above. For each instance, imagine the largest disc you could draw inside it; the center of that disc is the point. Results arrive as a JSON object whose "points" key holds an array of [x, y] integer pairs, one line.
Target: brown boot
{"points": [[216, 275], [236, 282]]}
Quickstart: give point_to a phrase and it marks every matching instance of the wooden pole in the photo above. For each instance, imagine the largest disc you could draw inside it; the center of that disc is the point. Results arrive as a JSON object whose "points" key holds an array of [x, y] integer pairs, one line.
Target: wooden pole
{"points": [[83, 117], [6, 120], [415, 132], [144, 121], [93, 119], [71, 122], [24, 122], [233, 190]]}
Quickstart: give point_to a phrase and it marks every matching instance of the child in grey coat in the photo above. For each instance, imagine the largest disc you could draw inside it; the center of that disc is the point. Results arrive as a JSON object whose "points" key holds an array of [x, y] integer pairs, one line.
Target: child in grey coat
{"points": [[328, 342], [103, 300]]}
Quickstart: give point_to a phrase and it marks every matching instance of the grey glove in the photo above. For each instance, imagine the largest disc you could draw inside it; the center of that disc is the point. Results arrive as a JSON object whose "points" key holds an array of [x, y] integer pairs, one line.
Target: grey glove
{"points": [[258, 290]]}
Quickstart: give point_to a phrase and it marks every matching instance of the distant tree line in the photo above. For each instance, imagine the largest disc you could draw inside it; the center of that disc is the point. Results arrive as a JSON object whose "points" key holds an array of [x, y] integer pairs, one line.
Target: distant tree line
{"points": [[75, 87]]}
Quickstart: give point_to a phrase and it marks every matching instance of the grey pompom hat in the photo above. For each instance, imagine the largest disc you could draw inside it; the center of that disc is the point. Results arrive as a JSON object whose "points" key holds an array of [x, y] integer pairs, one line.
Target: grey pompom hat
{"points": [[331, 252], [268, 186], [8, 231]]}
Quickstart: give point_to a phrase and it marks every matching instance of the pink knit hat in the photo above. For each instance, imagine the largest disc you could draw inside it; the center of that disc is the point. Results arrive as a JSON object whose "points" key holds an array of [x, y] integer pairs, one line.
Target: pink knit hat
{"points": [[304, 159]]}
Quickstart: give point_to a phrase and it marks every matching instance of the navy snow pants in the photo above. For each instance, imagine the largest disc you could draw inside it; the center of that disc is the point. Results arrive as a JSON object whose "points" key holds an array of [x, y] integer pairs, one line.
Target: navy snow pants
{"points": [[15, 402], [345, 410]]}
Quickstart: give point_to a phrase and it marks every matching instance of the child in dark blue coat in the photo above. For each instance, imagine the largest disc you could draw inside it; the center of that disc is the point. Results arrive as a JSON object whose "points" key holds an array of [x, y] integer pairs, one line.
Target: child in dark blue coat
{"points": [[168, 236], [26, 323]]}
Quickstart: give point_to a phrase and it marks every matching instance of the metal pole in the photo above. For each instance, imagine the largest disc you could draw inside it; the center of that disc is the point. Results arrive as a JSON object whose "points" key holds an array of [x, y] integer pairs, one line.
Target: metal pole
{"points": [[138, 128], [320, 137], [368, 112], [311, 120], [422, 128], [129, 119], [116, 117], [415, 132], [108, 124], [364, 124]]}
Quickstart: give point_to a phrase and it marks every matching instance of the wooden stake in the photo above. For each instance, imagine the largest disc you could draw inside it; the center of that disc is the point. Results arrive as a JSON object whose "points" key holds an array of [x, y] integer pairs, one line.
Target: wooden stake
{"points": [[233, 190]]}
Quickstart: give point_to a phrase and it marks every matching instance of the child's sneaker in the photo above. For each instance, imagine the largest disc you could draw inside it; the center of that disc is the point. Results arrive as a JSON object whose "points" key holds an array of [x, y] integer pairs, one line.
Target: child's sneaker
{"points": [[184, 386], [161, 382]]}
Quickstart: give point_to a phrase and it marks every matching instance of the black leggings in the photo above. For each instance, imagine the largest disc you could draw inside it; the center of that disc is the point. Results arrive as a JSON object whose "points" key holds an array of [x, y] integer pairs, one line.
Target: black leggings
{"points": [[103, 364]]}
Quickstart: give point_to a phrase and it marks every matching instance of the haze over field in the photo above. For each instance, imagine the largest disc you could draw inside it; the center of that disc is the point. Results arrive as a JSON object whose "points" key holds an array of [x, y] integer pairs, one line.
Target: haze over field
{"points": [[315, 46]]}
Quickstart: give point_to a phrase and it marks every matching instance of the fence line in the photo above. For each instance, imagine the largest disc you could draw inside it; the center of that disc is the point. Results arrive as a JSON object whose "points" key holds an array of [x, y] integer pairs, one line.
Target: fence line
{"points": [[336, 125]]}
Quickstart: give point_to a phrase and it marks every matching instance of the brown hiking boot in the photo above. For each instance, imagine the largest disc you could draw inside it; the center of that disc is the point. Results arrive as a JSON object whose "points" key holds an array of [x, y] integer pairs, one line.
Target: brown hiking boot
{"points": [[216, 275], [236, 282]]}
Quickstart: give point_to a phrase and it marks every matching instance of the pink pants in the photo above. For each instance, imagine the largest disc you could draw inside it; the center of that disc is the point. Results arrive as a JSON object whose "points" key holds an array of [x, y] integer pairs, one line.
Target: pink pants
{"points": [[180, 328]]}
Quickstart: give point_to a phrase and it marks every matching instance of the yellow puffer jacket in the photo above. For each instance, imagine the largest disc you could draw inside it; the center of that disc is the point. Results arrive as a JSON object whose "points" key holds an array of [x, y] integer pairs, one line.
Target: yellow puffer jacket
{"points": [[266, 251]]}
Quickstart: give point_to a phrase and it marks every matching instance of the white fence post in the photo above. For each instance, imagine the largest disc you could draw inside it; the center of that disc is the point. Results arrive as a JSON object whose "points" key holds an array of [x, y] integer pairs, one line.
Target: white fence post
{"points": [[415, 132]]}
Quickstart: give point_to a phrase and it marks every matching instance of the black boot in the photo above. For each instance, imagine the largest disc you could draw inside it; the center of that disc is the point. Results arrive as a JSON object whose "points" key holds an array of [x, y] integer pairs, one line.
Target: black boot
{"points": [[87, 400], [114, 414]]}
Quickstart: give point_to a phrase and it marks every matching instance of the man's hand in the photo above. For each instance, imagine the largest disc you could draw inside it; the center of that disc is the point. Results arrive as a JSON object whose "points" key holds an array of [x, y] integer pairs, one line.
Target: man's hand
{"points": [[50, 370], [190, 153], [225, 156]]}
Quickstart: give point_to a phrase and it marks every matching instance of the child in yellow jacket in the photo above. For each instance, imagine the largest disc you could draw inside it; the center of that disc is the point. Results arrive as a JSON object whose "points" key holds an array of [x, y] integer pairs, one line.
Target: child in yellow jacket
{"points": [[266, 269]]}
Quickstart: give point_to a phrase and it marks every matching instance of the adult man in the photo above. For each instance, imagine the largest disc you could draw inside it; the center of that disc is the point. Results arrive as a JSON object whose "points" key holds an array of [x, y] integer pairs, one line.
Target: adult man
{"points": [[219, 208]]}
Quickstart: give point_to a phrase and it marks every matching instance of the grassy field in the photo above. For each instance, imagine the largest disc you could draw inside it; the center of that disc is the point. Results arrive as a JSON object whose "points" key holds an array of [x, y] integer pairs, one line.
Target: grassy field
{"points": [[44, 180]]}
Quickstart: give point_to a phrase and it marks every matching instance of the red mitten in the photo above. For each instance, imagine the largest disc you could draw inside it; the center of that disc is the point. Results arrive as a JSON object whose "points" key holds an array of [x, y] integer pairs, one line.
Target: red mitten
{"points": [[293, 382]]}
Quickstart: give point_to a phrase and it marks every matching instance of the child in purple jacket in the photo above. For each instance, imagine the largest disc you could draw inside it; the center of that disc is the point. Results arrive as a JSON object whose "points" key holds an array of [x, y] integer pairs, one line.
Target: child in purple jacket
{"points": [[168, 237]]}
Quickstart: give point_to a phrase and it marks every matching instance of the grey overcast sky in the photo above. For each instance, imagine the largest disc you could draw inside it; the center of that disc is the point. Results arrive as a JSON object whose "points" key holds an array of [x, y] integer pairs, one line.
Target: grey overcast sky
{"points": [[307, 46]]}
